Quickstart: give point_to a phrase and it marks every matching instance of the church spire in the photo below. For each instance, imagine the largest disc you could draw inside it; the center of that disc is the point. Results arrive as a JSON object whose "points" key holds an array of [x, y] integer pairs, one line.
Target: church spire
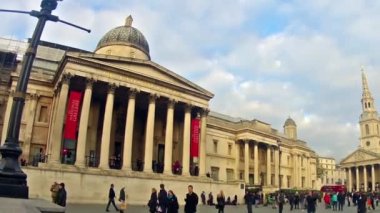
{"points": [[368, 103]]}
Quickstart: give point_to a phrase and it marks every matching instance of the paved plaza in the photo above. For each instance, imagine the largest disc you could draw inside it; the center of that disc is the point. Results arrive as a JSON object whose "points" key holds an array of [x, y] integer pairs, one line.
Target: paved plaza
{"points": [[83, 208]]}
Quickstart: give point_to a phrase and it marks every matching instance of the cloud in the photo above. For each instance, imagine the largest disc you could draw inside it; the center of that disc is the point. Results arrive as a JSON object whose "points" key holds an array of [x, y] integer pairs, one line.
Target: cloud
{"points": [[262, 59]]}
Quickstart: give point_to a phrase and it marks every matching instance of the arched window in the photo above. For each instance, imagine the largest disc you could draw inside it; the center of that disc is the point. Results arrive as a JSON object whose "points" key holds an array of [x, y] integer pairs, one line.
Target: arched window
{"points": [[369, 105], [366, 129], [365, 105]]}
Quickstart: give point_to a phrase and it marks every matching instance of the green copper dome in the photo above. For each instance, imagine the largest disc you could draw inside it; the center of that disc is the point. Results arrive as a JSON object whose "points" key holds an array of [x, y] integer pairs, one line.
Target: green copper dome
{"points": [[125, 35]]}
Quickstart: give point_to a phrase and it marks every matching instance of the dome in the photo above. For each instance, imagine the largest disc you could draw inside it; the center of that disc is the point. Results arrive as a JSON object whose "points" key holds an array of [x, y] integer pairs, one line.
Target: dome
{"points": [[127, 36], [290, 122]]}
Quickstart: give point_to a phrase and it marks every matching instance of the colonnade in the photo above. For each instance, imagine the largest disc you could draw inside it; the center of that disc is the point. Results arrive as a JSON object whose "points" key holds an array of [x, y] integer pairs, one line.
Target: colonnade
{"points": [[357, 178], [58, 122]]}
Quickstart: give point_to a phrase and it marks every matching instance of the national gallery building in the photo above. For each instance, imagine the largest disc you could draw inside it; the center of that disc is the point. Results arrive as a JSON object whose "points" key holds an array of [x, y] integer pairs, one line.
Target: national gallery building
{"points": [[115, 116]]}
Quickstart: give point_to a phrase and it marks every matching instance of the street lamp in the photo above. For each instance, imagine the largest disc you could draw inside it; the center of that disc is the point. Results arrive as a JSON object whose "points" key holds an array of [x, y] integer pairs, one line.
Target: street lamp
{"points": [[12, 178]]}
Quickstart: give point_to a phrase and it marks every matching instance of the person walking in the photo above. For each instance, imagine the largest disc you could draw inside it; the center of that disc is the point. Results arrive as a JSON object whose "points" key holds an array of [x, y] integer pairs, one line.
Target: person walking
{"points": [[220, 202], [249, 200], [162, 198], [122, 197], [61, 195], [111, 199], [361, 202], [152, 203], [296, 201], [191, 200], [341, 201], [311, 202], [280, 202], [172, 202], [203, 197], [291, 201]]}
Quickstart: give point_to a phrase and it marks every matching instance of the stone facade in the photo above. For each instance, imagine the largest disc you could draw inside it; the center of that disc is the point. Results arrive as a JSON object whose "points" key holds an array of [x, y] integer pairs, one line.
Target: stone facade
{"points": [[134, 128]]}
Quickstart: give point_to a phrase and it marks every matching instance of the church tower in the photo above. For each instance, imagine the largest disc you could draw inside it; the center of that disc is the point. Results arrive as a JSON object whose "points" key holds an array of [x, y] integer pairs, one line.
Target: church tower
{"points": [[369, 121], [290, 129]]}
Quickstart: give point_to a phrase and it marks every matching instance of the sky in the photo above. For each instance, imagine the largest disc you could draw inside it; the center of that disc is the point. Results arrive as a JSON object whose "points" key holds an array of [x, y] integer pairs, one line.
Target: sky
{"points": [[263, 59]]}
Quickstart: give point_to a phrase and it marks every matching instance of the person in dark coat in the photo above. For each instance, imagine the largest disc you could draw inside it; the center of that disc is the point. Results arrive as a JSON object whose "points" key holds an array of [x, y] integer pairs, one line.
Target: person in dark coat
{"points": [[249, 200], [162, 198], [280, 202], [172, 202], [203, 198], [311, 201], [153, 201], [111, 199], [122, 198], [341, 201], [362, 203], [220, 202], [191, 200], [61, 195]]}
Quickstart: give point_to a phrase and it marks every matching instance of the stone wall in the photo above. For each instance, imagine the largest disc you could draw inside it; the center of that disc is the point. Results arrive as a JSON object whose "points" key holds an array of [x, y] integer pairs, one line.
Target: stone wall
{"points": [[92, 185]]}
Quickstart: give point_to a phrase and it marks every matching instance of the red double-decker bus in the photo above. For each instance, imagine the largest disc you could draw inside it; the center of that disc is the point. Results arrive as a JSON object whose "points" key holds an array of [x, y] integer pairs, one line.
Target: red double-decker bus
{"points": [[334, 188]]}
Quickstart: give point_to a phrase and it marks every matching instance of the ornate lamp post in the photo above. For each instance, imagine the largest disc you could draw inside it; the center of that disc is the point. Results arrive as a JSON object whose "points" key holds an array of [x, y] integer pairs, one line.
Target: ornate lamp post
{"points": [[12, 178]]}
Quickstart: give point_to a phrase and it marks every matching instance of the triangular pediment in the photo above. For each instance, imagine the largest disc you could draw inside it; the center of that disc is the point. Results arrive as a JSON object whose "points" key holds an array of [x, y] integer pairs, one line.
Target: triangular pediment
{"points": [[360, 155], [147, 70]]}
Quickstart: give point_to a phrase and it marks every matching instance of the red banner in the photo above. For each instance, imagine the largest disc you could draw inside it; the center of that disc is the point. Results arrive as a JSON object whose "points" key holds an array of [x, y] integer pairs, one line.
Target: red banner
{"points": [[72, 115], [194, 145]]}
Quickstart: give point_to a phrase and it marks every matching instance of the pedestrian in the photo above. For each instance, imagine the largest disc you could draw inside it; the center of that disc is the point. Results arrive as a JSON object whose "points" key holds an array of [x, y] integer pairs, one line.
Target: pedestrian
{"points": [[220, 202], [280, 202], [122, 196], [54, 190], [341, 200], [296, 201], [361, 202], [311, 203], [172, 202], [249, 200], [61, 195], [162, 198], [111, 199], [348, 199], [291, 201], [152, 203], [327, 200], [334, 199], [191, 200], [203, 197]]}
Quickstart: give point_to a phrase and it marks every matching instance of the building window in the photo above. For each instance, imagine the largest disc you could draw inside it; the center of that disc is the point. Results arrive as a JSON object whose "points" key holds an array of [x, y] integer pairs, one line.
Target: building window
{"points": [[241, 148], [366, 129], [368, 143], [369, 105], [230, 174], [215, 146], [43, 116], [215, 173], [229, 149], [252, 151], [241, 175]]}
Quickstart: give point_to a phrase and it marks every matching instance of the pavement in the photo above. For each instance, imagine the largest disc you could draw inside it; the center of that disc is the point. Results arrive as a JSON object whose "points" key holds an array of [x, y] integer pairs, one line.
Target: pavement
{"points": [[96, 208]]}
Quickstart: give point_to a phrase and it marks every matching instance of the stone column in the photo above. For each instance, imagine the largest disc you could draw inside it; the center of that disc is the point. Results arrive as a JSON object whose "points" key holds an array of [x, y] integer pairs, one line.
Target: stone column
{"points": [[300, 171], [186, 141], [33, 98], [106, 134], [373, 177], [276, 166], [308, 173], [246, 162], [256, 162], [6, 117], [237, 160], [294, 176], [357, 179], [169, 138], [365, 178], [349, 180], [83, 125], [52, 116], [56, 140], [269, 172], [149, 135], [202, 153], [128, 135]]}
